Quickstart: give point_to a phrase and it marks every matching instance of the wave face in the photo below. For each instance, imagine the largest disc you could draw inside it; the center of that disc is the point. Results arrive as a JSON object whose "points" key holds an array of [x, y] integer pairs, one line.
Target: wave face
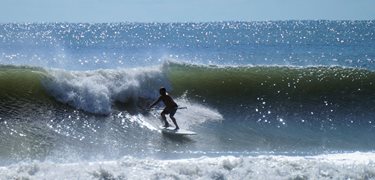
{"points": [[21, 89], [270, 108], [297, 93], [280, 83], [97, 91]]}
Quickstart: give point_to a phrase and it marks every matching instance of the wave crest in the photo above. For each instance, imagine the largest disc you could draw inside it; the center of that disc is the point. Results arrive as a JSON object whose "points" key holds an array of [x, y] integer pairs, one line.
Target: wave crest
{"points": [[95, 91]]}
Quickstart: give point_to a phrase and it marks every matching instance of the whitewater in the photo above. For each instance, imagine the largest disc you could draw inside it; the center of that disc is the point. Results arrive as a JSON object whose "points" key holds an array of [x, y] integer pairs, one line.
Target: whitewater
{"points": [[269, 100]]}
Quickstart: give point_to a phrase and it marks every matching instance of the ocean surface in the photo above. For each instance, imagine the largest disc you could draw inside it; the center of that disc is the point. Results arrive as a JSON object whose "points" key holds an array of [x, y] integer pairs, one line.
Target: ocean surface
{"points": [[268, 100]]}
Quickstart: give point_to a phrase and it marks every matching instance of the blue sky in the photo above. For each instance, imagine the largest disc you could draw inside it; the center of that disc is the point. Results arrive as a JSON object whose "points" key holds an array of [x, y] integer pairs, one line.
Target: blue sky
{"points": [[183, 10]]}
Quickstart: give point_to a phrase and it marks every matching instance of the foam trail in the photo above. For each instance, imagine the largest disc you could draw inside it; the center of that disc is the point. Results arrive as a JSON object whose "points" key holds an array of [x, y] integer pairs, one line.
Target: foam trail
{"points": [[139, 119], [196, 113]]}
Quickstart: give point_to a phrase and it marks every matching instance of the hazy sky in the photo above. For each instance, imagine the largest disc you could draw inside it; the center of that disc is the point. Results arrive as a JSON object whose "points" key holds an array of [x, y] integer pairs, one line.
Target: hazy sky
{"points": [[183, 10]]}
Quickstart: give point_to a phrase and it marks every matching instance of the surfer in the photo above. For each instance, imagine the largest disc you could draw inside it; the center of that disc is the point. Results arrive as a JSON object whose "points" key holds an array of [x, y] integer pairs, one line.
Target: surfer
{"points": [[170, 107]]}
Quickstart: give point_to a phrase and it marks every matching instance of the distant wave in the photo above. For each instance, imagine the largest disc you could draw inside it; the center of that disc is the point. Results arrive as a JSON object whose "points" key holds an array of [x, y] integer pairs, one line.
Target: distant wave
{"points": [[85, 46]]}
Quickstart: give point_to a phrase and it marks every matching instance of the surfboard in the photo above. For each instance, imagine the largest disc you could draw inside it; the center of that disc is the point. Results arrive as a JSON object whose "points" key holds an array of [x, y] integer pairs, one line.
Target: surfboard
{"points": [[172, 131]]}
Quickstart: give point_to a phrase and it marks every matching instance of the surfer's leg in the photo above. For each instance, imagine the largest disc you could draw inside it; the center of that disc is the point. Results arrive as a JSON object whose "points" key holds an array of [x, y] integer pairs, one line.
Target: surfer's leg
{"points": [[171, 115], [166, 124], [174, 122]]}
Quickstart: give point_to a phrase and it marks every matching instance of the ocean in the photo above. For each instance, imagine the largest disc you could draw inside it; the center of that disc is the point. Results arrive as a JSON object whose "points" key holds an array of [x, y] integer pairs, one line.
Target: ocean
{"points": [[268, 100]]}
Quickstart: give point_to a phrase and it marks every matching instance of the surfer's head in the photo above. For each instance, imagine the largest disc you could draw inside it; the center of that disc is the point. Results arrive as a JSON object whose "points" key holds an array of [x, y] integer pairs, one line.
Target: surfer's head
{"points": [[162, 91]]}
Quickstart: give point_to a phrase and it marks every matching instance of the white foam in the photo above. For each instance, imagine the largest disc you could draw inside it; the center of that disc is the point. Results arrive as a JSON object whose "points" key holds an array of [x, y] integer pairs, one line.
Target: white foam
{"points": [[331, 166], [95, 91], [195, 113], [141, 120]]}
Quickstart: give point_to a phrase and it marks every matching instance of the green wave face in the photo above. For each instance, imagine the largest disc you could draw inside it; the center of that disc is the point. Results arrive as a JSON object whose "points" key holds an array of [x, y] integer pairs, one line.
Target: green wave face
{"points": [[276, 82], [223, 85], [23, 84], [260, 107]]}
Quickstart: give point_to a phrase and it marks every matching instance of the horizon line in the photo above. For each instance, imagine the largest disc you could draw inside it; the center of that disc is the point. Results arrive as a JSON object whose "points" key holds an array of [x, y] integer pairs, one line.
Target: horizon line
{"points": [[174, 22]]}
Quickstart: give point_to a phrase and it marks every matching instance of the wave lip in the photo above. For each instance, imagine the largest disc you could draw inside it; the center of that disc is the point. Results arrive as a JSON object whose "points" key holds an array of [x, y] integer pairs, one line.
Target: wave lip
{"points": [[96, 91], [91, 91]]}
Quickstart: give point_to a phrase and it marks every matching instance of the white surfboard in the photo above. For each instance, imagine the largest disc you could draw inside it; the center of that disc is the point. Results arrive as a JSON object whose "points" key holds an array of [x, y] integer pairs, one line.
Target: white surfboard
{"points": [[171, 130]]}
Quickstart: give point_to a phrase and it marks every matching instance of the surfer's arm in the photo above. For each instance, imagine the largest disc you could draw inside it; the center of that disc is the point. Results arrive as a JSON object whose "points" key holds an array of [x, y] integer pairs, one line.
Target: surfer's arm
{"points": [[154, 103]]}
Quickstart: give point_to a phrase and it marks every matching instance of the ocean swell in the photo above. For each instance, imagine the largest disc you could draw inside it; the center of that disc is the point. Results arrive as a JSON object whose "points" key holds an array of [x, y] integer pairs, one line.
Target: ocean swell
{"points": [[278, 82], [97, 91]]}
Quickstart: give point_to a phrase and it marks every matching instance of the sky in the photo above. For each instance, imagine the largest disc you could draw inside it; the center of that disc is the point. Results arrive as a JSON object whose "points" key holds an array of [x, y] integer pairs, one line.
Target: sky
{"points": [[96, 11]]}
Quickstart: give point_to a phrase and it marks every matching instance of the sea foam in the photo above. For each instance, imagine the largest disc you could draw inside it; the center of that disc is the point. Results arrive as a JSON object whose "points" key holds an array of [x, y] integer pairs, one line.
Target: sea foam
{"points": [[330, 166], [96, 91]]}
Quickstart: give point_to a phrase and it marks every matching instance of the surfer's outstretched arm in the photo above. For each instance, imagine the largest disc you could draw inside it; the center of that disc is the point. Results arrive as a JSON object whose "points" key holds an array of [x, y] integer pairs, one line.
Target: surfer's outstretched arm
{"points": [[154, 103]]}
